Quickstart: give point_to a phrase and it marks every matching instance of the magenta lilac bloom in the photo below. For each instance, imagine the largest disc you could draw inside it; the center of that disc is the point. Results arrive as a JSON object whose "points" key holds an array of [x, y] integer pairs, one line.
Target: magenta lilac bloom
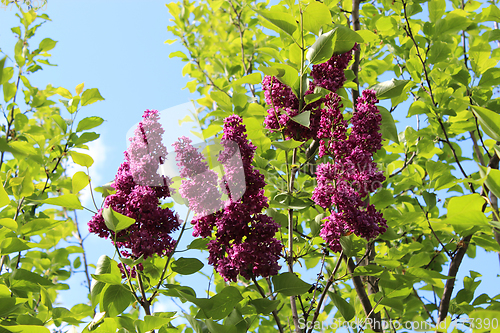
{"points": [[199, 185], [352, 176], [150, 234], [285, 105], [244, 242]]}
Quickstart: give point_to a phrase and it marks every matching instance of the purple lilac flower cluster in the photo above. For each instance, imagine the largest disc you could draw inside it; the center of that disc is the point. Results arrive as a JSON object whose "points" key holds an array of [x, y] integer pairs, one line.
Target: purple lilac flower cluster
{"points": [[344, 183], [244, 238], [352, 175], [138, 192], [284, 104]]}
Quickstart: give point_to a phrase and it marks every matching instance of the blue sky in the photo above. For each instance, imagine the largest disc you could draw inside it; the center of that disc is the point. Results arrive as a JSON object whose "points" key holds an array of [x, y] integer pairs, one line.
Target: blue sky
{"points": [[118, 47]]}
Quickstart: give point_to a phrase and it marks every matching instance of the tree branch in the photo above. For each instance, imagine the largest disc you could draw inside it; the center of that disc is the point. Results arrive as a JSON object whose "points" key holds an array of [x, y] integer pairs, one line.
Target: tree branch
{"points": [[376, 321], [450, 283]]}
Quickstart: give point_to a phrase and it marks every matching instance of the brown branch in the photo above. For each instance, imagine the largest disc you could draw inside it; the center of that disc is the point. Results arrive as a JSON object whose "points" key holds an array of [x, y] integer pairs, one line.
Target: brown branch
{"points": [[450, 283], [275, 314], [424, 305], [406, 163], [376, 321]]}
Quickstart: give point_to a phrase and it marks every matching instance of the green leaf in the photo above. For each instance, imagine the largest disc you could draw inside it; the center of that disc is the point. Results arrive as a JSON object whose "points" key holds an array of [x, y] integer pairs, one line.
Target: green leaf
{"points": [[430, 200], [197, 325], [346, 38], [284, 21], [12, 244], [287, 74], [2, 64], [187, 266], [311, 98], [198, 244], [224, 302], [79, 181], [38, 226], [254, 78], [47, 44], [289, 284], [25, 329], [316, 15], [9, 91], [116, 299], [484, 320], [346, 243], [25, 275], [115, 221], [86, 137], [223, 100], [103, 267], [489, 120], [490, 78], [491, 13], [346, 310], [19, 53], [108, 278], [436, 9], [215, 327], [418, 107], [492, 179], [287, 145], [7, 305], [303, 118], [419, 260], [63, 92], [82, 159], [4, 198], [90, 96], [69, 201], [264, 305], [151, 323], [89, 123], [370, 270], [322, 49], [388, 126], [389, 89], [466, 211], [9, 223]]}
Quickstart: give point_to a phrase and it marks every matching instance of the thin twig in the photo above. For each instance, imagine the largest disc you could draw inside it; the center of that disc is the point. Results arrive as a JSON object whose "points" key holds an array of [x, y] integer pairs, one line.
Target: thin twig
{"points": [[275, 314], [409, 32], [162, 277], [323, 294]]}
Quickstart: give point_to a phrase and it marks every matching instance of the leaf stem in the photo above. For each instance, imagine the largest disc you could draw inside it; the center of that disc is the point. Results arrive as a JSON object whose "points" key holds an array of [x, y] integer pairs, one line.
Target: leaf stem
{"points": [[275, 314], [162, 277]]}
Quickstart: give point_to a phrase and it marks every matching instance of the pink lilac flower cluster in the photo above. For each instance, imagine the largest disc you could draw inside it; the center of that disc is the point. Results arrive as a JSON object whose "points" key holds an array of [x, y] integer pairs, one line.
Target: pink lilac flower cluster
{"points": [[284, 104], [344, 183], [138, 192], [244, 238], [352, 175]]}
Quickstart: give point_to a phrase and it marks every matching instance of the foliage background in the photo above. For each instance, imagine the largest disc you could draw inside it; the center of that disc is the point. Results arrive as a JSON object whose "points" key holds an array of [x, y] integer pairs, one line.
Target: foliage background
{"points": [[110, 69]]}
